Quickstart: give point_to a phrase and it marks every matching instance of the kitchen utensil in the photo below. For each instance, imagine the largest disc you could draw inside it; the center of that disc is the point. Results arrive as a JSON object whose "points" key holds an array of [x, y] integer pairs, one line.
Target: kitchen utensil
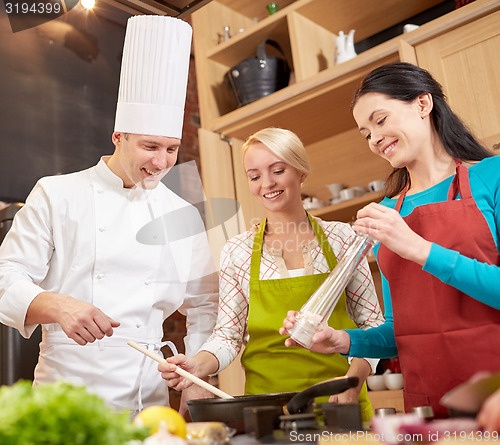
{"points": [[344, 44], [318, 309], [257, 77], [335, 189], [376, 186], [351, 193], [384, 412], [182, 372], [470, 395], [376, 382], [426, 412], [394, 380], [409, 27], [230, 411], [312, 203]]}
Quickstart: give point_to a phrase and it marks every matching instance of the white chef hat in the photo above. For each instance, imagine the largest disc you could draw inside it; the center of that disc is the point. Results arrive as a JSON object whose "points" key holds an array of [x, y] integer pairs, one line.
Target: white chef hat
{"points": [[154, 76]]}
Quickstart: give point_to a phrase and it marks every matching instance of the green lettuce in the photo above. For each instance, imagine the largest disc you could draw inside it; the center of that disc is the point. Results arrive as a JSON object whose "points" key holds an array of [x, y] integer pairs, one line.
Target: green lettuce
{"points": [[61, 413]]}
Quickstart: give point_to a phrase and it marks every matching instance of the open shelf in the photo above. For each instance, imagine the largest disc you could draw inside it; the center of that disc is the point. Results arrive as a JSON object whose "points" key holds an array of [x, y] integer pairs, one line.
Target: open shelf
{"points": [[316, 108], [346, 211], [305, 29], [316, 104]]}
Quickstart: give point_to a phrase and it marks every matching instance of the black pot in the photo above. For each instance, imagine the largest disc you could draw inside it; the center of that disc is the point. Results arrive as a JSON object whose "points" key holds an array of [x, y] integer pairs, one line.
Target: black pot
{"points": [[257, 77], [230, 411]]}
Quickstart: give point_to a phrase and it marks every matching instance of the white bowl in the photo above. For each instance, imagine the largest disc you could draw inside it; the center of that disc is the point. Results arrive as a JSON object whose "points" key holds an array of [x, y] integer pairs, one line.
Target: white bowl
{"points": [[335, 189], [376, 382], [394, 380], [312, 203]]}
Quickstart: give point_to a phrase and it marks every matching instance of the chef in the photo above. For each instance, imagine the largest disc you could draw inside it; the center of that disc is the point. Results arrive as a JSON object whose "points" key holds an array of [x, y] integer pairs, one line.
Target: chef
{"points": [[86, 257]]}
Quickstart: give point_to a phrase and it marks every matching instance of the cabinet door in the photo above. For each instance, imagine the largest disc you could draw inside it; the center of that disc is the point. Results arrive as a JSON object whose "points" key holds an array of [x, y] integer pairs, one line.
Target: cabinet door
{"points": [[466, 61], [230, 207], [223, 214]]}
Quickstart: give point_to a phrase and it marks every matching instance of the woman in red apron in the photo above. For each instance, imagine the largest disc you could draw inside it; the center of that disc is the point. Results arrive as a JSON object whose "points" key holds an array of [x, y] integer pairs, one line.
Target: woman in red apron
{"points": [[439, 232], [275, 266]]}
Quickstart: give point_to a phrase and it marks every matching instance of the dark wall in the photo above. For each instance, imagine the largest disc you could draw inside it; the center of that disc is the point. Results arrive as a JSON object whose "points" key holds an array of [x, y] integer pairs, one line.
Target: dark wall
{"points": [[58, 92]]}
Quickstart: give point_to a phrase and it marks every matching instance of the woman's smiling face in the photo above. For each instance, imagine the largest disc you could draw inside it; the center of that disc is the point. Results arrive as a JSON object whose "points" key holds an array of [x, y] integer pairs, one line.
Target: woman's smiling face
{"points": [[276, 184], [393, 128]]}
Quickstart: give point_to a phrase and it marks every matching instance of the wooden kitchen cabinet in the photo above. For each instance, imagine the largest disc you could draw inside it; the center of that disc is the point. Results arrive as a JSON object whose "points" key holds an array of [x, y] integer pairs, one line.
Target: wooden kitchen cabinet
{"points": [[466, 62], [460, 49], [387, 399]]}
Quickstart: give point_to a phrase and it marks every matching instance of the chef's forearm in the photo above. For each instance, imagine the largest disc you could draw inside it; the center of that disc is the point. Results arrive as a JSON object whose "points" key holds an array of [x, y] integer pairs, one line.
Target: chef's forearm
{"points": [[44, 308]]}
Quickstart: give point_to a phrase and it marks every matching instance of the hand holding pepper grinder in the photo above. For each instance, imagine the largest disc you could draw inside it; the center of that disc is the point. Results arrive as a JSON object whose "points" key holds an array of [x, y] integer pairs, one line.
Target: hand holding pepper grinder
{"points": [[318, 309]]}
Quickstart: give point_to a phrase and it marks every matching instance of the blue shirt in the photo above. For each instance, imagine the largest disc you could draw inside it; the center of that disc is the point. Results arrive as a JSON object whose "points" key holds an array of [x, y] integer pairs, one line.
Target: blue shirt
{"points": [[478, 280]]}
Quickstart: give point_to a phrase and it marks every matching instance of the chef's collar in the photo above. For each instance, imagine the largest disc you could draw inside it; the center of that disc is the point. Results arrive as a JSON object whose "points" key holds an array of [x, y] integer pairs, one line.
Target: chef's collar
{"points": [[109, 178], [106, 175]]}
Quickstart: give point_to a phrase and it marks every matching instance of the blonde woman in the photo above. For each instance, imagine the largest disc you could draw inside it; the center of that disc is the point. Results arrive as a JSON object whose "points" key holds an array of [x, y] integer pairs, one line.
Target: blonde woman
{"points": [[276, 266]]}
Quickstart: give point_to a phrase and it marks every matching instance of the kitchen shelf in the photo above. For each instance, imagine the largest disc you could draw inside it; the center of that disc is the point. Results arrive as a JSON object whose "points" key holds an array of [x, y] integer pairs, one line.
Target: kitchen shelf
{"points": [[292, 106], [305, 29], [244, 44], [346, 211], [254, 9]]}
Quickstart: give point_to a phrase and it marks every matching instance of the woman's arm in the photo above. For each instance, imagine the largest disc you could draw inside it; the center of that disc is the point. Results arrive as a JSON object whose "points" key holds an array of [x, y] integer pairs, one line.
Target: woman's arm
{"points": [[468, 275], [360, 368], [378, 341], [227, 337], [465, 274], [362, 304]]}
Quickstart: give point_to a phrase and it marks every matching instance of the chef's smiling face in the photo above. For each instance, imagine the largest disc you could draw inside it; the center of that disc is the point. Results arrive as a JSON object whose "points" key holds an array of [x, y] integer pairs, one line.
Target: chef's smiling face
{"points": [[393, 128], [274, 182], [143, 160]]}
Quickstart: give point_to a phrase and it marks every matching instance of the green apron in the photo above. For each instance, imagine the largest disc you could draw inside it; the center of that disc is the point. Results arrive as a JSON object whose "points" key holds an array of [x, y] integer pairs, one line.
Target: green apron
{"points": [[270, 366]]}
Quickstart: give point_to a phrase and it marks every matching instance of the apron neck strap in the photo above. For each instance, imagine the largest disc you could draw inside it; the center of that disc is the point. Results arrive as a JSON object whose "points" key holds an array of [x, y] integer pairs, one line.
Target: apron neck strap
{"points": [[259, 240], [323, 243], [402, 196], [257, 251], [460, 184]]}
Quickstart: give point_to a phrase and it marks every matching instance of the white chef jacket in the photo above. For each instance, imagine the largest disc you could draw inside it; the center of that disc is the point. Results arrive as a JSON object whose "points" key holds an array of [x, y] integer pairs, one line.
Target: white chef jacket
{"points": [[86, 236]]}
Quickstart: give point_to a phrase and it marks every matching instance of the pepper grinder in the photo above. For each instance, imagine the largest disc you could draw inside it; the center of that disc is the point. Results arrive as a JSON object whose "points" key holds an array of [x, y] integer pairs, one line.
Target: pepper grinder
{"points": [[318, 309]]}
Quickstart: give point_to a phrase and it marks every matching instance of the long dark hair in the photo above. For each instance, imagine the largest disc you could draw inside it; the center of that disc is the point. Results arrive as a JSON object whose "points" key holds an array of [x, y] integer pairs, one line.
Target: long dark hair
{"points": [[404, 81]]}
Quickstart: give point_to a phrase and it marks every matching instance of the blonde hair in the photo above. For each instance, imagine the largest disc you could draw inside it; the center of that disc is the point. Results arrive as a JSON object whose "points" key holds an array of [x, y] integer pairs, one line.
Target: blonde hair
{"points": [[283, 143]]}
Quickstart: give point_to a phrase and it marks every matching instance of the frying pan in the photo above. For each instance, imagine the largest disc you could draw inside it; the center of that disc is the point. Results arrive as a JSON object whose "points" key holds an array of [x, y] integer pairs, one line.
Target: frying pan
{"points": [[230, 411]]}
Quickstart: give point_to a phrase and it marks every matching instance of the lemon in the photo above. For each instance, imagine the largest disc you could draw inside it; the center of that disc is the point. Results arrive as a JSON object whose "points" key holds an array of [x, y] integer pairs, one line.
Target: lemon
{"points": [[152, 416]]}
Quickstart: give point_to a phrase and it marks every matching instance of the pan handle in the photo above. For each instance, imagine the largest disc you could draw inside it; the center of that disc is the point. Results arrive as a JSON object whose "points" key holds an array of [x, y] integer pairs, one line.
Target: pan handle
{"points": [[329, 387]]}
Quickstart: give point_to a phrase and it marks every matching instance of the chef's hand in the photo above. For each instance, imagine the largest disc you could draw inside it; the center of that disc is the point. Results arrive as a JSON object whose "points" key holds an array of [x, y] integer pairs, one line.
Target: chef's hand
{"points": [[326, 341], [489, 415], [81, 321], [387, 226]]}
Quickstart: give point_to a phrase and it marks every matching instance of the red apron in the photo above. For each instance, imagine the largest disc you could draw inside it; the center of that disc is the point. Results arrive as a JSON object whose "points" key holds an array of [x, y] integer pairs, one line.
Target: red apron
{"points": [[443, 336]]}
